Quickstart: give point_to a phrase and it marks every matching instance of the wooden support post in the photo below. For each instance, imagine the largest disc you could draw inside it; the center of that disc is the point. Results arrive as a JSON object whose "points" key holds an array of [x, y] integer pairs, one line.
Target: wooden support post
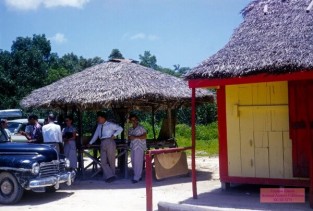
{"points": [[193, 139], [153, 123], [169, 118], [149, 205], [80, 132]]}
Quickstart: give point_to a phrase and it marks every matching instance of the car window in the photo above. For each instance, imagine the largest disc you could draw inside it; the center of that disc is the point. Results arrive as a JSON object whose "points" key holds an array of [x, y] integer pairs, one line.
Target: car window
{"points": [[13, 126]]}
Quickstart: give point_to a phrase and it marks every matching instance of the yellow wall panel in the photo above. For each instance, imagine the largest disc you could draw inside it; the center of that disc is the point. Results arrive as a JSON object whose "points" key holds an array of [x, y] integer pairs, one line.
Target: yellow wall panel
{"points": [[245, 95], [262, 120], [262, 162], [261, 95], [233, 135], [280, 120], [247, 144], [258, 130], [261, 139], [278, 92], [276, 154]]}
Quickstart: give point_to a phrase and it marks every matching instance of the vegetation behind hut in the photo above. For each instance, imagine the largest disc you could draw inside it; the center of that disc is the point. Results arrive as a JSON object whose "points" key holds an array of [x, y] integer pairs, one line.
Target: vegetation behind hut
{"points": [[30, 64]]}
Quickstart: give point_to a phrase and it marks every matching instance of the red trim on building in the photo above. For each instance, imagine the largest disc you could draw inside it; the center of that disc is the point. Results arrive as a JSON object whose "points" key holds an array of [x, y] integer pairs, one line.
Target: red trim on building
{"points": [[267, 181], [222, 131], [197, 83]]}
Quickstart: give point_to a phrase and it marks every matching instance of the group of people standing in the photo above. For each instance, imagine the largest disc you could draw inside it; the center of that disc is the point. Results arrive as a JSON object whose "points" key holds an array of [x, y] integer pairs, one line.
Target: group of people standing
{"points": [[107, 131], [51, 133], [64, 141]]}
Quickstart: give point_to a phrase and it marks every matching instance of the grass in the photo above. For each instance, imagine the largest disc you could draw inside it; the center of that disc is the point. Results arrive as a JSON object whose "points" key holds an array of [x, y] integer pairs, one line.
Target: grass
{"points": [[206, 137]]}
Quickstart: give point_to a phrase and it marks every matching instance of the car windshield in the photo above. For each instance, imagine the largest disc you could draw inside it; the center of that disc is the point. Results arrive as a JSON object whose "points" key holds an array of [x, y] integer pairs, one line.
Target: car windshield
{"points": [[13, 126]]}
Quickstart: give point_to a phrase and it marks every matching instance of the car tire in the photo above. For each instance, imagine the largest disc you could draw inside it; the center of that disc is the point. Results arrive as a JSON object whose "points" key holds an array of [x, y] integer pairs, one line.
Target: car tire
{"points": [[10, 189], [50, 189]]}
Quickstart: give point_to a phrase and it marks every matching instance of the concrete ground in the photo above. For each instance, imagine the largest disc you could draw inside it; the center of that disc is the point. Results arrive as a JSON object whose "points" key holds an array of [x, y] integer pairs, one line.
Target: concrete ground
{"points": [[95, 194]]}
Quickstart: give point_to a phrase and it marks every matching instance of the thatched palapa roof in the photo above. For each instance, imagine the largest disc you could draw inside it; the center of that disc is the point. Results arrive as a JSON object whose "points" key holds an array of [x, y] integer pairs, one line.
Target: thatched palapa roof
{"points": [[276, 36], [118, 83]]}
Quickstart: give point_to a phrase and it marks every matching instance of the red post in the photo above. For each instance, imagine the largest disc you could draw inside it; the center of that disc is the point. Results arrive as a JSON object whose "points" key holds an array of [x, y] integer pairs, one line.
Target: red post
{"points": [[193, 139], [149, 205], [222, 132], [311, 175]]}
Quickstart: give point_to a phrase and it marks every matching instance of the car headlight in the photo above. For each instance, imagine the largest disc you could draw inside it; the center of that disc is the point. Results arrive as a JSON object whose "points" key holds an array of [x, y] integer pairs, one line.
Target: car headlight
{"points": [[35, 168], [67, 163]]}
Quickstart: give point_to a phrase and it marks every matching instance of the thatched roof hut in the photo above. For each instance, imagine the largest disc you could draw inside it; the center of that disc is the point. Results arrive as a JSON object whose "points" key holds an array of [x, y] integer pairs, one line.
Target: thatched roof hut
{"points": [[275, 37], [113, 84], [262, 77]]}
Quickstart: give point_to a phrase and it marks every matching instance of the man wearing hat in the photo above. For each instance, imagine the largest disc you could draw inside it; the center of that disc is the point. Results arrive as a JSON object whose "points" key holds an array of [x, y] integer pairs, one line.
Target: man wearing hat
{"points": [[52, 133], [106, 132]]}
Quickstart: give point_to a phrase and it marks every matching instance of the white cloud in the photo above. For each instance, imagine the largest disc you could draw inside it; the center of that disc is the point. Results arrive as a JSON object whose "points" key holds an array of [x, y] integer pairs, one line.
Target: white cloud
{"points": [[59, 38], [65, 3], [35, 4], [23, 4], [139, 36], [152, 37], [143, 36]]}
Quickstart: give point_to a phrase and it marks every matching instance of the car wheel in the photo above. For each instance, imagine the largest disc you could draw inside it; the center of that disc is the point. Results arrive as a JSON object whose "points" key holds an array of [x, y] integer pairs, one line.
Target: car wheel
{"points": [[10, 190], [50, 189]]}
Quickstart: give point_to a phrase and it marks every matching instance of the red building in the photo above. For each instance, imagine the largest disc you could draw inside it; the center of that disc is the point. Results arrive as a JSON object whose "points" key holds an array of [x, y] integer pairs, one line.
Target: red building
{"points": [[264, 82]]}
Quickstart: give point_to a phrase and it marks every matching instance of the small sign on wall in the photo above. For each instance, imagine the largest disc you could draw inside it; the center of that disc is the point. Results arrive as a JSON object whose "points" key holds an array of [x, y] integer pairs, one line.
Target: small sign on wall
{"points": [[282, 195]]}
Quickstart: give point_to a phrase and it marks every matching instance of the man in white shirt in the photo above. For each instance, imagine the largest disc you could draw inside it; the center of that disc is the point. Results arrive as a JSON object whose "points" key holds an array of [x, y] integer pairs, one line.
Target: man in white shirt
{"points": [[51, 133], [106, 132]]}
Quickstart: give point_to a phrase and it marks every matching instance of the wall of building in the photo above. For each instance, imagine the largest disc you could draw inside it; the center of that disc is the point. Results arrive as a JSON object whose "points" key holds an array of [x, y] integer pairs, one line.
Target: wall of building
{"points": [[258, 143]]}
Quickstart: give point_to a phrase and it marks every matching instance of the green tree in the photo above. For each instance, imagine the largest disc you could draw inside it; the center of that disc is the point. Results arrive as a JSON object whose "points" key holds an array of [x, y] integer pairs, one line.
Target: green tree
{"points": [[148, 60], [181, 70], [71, 62], [168, 71], [56, 74], [115, 54], [29, 64], [7, 85]]}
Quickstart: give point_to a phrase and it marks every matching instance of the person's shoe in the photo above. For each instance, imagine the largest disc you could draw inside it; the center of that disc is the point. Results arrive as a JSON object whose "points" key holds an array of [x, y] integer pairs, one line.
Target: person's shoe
{"points": [[136, 181], [111, 179]]}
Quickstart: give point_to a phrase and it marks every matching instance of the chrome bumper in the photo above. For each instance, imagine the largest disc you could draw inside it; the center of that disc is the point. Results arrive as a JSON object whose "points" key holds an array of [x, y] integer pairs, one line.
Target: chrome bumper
{"points": [[67, 177]]}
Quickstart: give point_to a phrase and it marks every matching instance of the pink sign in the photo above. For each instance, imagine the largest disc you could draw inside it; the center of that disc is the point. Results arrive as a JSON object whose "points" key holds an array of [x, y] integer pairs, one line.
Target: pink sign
{"points": [[282, 195]]}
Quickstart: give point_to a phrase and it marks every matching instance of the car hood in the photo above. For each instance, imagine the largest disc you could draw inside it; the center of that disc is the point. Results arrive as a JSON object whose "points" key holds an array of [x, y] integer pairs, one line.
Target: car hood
{"points": [[10, 148]]}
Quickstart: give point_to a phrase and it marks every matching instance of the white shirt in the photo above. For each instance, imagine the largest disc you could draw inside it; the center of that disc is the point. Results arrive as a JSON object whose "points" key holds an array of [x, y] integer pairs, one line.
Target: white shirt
{"points": [[109, 129], [51, 133]]}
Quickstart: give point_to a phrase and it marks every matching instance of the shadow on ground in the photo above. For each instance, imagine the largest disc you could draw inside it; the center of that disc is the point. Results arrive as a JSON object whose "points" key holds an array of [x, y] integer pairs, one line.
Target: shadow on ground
{"points": [[97, 182], [242, 197], [31, 198]]}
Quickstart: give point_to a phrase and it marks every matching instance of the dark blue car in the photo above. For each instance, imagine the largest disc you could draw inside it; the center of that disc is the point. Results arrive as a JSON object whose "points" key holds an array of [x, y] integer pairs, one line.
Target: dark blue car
{"points": [[25, 166]]}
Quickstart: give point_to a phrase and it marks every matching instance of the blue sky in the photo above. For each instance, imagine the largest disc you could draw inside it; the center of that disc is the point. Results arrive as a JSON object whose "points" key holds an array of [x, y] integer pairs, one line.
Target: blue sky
{"points": [[181, 32]]}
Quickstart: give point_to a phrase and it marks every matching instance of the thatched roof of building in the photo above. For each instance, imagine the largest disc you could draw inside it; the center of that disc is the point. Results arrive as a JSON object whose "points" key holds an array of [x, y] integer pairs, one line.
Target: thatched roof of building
{"points": [[275, 37], [113, 84]]}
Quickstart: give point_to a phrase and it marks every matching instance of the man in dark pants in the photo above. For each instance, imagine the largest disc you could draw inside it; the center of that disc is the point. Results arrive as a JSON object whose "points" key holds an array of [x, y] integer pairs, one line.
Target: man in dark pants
{"points": [[106, 132]]}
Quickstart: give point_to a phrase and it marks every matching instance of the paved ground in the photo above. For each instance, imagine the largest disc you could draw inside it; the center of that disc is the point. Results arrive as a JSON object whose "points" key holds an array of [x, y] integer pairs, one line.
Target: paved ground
{"points": [[123, 195]]}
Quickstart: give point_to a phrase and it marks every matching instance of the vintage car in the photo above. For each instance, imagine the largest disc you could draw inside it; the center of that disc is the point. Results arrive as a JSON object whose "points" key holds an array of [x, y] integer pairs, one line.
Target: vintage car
{"points": [[36, 167]]}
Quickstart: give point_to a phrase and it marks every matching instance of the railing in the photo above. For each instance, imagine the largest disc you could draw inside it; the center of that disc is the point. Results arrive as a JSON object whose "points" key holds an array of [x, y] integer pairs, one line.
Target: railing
{"points": [[149, 155]]}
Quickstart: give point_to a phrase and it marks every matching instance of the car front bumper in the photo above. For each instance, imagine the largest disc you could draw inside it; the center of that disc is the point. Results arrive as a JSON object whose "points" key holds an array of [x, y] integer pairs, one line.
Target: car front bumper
{"points": [[66, 177]]}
